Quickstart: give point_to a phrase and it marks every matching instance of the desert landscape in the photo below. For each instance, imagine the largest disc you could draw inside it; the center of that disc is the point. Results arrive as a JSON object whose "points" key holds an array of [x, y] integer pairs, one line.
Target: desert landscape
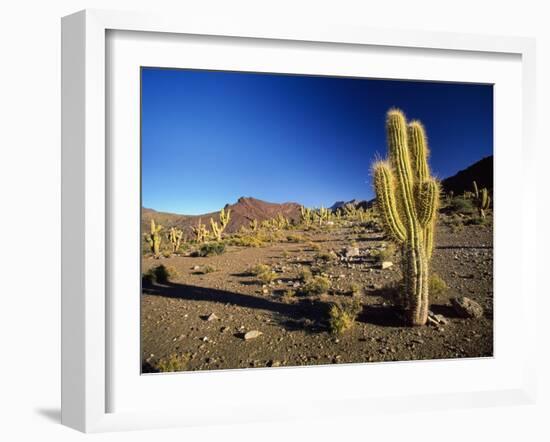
{"points": [[296, 220], [261, 284]]}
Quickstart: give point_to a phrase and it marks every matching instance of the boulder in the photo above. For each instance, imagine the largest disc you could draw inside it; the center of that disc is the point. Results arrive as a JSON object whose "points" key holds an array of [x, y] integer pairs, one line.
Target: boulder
{"points": [[466, 307]]}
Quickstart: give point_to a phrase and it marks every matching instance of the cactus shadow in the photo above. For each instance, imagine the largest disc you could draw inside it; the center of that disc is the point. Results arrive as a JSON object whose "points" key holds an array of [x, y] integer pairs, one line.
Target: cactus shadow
{"points": [[306, 314], [445, 310], [383, 316]]}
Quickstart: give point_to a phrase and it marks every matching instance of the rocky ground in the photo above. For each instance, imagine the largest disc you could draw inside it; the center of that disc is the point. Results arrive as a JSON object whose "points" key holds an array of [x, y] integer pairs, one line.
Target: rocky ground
{"points": [[203, 318]]}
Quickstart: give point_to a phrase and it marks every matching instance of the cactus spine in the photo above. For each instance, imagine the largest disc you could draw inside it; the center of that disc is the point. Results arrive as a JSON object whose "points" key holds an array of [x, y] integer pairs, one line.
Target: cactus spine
{"points": [[482, 199], [175, 236], [154, 239], [407, 199]]}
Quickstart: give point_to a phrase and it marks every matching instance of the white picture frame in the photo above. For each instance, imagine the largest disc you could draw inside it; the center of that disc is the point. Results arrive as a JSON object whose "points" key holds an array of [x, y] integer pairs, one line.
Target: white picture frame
{"points": [[86, 234]]}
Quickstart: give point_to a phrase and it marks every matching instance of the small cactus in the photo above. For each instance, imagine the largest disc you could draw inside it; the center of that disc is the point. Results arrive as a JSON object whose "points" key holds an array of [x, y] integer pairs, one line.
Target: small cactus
{"points": [[175, 236], [154, 239], [407, 197], [201, 232], [307, 215], [323, 215], [482, 199]]}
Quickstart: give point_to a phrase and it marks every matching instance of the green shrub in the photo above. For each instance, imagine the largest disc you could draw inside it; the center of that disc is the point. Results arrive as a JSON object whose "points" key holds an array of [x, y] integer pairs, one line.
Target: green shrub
{"points": [[355, 288], [317, 286], [342, 316], [437, 286], [267, 277], [161, 274], [313, 246], [325, 256], [462, 205], [387, 253], [207, 269], [259, 268], [477, 221], [246, 241], [210, 249], [294, 238], [172, 363], [305, 274], [289, 295]]}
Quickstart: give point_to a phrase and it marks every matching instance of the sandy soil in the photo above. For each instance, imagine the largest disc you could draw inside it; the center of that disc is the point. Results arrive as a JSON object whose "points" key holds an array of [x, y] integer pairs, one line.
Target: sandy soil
{"points": [[174, 317]]}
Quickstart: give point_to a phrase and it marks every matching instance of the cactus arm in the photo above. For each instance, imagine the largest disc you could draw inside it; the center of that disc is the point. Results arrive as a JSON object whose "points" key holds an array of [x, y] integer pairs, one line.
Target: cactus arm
{"points": [[400, 161], [427, 197], [418, 150], [385, 199]]}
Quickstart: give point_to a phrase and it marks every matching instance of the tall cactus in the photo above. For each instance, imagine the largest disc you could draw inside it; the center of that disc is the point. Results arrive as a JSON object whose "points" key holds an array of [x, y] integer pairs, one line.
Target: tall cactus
{"points": [[482, 199], [323, 215], [307, 215], [217, 229], [175, 236], [154, 239], [407, 198]]}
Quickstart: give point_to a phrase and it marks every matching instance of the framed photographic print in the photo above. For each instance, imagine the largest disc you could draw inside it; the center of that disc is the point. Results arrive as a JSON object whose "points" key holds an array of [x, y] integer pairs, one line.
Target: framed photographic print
{"points": [[288, 218]]}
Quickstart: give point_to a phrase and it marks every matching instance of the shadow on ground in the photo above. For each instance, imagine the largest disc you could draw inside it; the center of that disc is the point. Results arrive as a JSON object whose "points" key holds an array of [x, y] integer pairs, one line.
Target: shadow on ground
{"points": [[314, 312]]}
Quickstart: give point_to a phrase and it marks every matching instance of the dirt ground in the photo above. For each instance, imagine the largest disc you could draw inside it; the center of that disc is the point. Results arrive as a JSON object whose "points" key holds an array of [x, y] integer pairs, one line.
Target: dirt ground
{"points": [[176, 317]]}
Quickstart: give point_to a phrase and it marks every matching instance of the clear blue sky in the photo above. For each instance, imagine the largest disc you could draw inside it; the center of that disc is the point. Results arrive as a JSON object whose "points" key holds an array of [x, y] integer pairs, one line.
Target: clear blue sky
{"points": [[209, 138]]}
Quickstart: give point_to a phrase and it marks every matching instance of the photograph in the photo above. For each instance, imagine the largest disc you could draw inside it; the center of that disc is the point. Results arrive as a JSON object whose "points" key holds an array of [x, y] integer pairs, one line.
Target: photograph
{"points": [[302, 220]]}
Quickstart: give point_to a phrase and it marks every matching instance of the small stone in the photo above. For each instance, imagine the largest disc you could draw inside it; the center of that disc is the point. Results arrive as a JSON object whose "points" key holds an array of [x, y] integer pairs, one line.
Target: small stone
{"points": [[386, 265], [196, 268], [350, 252], [212, 317], [204, 339], [274, 363], [466, 307], [252, 334]]}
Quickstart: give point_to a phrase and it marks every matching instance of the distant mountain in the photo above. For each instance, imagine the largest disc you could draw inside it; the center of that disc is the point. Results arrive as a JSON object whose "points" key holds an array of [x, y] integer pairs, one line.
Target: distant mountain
{"points": [[242, 212], [480, 172], [356, 203]]}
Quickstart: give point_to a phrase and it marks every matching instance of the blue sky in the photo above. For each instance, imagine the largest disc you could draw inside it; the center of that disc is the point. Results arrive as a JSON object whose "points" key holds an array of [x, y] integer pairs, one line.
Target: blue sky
{"points": [[209, 138]]}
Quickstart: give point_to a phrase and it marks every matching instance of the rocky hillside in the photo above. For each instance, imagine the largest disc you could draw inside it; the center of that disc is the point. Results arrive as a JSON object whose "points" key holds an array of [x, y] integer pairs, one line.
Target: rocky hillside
{"points": [[481, 172], [242, 212]]}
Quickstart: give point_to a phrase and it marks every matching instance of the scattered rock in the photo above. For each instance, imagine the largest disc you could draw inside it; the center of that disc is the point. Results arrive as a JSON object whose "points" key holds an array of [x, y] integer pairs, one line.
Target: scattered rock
{"points": [[252, 334], [466, 307], [196, 268], [386, 265], [212, 317], [350, 251], [436, 320], [274, 363]]}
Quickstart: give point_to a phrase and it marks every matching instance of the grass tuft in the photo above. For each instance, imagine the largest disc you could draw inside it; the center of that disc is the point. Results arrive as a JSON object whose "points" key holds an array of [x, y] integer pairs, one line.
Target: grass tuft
{"points": [[316, 286], [437, 286], [210, 249], [161, 274], [342, 316]]}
